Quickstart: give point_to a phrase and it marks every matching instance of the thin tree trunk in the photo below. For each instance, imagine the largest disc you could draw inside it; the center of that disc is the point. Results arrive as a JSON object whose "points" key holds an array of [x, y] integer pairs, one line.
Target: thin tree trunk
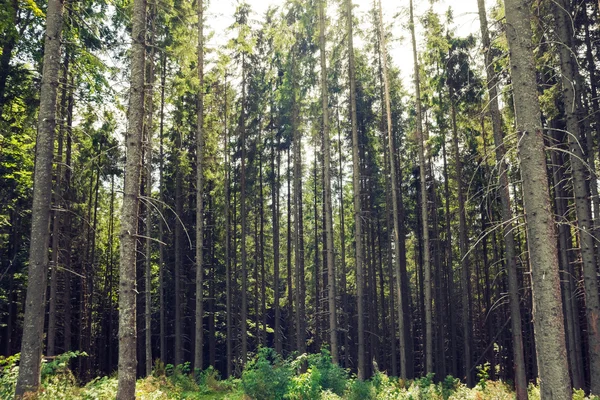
{"points": [[424, 211], [357, 200], [149, 128], [199, 330], [464, 250], [298, 222], [507, 215], [244, 311], [162, 266], [57, 217], [395, 206], [581, 189], [35, 301], [229, 339], [541, 234], [289, 255], [329, 246], [129, 215]]}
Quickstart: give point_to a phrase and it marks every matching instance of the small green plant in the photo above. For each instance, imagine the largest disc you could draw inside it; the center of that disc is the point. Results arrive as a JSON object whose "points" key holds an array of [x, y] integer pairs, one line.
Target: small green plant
{"points": [[483, 374], [159, 368], [448, 386], [169, 370]]}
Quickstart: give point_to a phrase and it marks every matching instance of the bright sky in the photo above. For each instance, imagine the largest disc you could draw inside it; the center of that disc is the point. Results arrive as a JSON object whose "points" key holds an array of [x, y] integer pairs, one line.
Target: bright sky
{"points": [[220, 16]]}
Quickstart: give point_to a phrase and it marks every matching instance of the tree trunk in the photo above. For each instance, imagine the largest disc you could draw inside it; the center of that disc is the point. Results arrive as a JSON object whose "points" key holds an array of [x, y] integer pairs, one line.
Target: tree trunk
{"points": [[161, 262], [581, 189], [298, 221], [424, 211], [395, 206], [199, 330], [129, 215], [228, 307], [244, 311], [507, 215], [357, 200], [35, 301], [548, 315], [329, 247], [464, 252], [149, 128]]}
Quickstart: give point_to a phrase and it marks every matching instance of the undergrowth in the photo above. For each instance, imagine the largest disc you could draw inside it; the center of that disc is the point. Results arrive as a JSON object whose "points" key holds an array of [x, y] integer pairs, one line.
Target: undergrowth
{"points": [[267, 376]]}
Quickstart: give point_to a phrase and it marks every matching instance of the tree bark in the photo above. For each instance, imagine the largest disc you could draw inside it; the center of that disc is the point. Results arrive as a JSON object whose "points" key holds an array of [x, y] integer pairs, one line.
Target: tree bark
{"points": [[357, 198], [395, 206], [35, 301], [507, 215], [581, 188], [129, 214], [199, 329], [330, 260], [424, 210], [541, 233]]}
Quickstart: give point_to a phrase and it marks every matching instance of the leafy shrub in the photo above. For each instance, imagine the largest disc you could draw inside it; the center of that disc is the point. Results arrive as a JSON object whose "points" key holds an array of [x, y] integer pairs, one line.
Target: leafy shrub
{"points": [[330, 376], [9, 372], [362, 390], [305, 386], [60, 363], [267, 376]]}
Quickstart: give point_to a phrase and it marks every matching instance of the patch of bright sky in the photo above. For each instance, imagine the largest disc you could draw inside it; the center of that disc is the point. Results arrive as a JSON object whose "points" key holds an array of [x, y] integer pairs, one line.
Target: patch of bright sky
{"points": [[395, 14]]}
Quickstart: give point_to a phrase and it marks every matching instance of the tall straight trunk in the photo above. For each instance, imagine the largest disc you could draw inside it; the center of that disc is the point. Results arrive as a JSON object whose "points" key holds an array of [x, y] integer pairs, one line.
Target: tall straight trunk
{"points": [[261, 253], [275, 210], [244, 305], [298, 222], [227, 218], [161, 227], [357, 200], [129, 214], [178, 250], [35, 301], [345, 315], [541, 233], [424, 210], [507, 215], [395, 206], [317, 269], [328, 217], [149, 128], [199, 330], [449, 267], [289, 254], [465, 276], [572, 331], [68, 218], [56, 215], [581, 189]]}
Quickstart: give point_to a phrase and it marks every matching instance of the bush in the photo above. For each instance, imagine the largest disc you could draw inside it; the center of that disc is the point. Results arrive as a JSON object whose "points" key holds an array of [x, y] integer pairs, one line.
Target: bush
{"points": [[330, 376], [362, 390], [267, 376]]}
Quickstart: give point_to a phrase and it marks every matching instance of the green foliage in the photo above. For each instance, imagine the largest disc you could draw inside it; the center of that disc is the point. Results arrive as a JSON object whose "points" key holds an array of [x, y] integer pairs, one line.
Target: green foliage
{"points": [[267, 376], [362, 390], [483, 373], [60, 364], [8, 375]]}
